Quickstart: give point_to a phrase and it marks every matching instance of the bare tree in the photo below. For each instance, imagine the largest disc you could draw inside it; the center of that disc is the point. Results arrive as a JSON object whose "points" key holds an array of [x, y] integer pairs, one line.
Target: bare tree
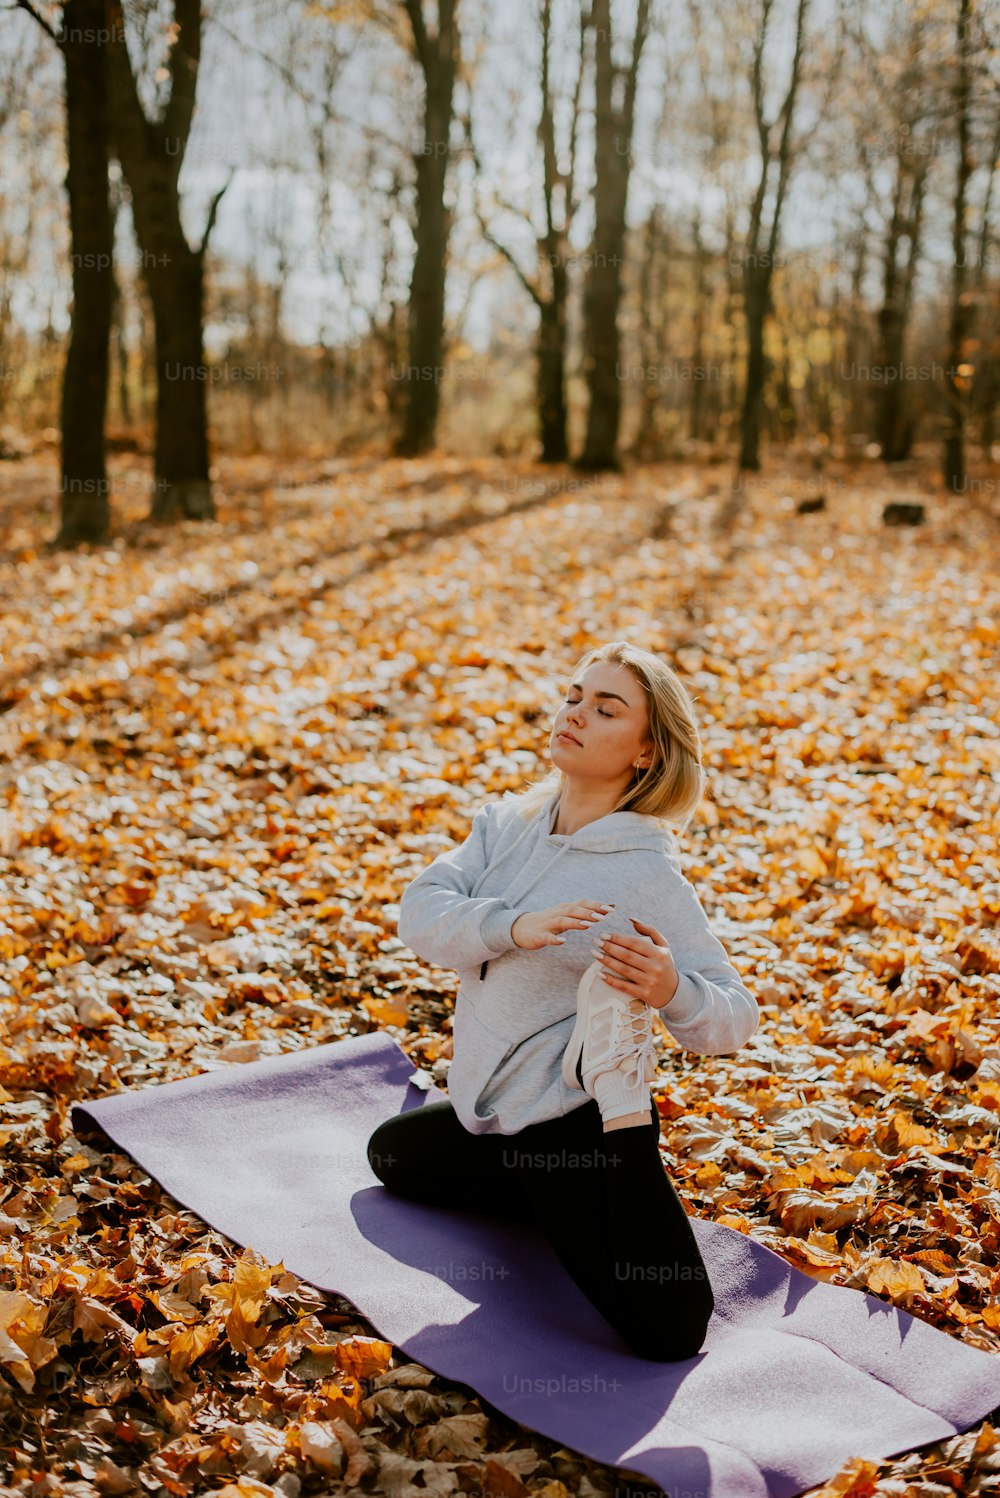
{"points": [[655, 262], [84, 507], [959, 371], [151, 152], [614, 120], [548, 285], [719, 127], [896, 427], [18, 66], [437, 53], [986, 391], [902, 85], [762, 242]]}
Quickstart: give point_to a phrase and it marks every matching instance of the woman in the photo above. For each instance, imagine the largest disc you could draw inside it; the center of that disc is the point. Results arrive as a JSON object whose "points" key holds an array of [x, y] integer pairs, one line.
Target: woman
{"points": [[553, 1049]]}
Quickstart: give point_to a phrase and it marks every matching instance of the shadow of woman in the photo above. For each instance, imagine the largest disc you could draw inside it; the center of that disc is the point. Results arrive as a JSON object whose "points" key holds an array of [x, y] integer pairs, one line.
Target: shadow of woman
{"points": [[498, 1312]]}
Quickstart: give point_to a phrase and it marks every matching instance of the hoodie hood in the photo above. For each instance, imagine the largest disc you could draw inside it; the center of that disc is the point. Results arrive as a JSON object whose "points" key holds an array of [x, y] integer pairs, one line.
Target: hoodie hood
{"points": [[618, 832]]}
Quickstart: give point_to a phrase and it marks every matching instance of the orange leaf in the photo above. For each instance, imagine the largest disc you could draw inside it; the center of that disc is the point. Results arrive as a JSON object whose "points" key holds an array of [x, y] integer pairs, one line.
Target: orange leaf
{"points": [[386, 1011], [363, 1356], [857, 1479], [136, 893], [500, 1482]]}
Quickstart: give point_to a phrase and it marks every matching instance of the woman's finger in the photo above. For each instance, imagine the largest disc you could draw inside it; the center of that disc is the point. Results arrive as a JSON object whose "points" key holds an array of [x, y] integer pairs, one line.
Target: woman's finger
{"points": [[627, 948], [649, 931], [622, 964]]}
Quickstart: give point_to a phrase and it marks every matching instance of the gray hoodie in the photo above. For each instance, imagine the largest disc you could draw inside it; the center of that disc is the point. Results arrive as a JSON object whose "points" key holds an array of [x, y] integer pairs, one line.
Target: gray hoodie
{"points": [[515, 1009]]}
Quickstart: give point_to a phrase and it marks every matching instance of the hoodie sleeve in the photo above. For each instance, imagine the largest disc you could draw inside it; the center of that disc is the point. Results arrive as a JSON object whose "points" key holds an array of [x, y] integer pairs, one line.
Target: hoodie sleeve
{"points": [[712, 1011], [441, 923]]}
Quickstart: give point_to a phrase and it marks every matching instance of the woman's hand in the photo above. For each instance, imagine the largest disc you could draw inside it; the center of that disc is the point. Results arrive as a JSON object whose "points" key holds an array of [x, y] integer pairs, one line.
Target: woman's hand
{"points": [[640, 966], [541, 928]]}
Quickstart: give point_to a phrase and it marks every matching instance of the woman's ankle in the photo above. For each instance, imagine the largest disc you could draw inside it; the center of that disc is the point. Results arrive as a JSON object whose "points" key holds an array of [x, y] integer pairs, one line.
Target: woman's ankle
{"points": [[627, 1121]]}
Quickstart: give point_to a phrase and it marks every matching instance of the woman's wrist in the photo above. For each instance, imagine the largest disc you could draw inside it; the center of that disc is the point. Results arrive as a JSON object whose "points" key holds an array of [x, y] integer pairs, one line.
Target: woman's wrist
{"points": [[673, 991]]}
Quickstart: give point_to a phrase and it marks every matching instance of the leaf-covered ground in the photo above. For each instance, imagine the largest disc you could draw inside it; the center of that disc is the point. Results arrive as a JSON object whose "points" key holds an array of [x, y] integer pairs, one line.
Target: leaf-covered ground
{"points": [[228, 749]]}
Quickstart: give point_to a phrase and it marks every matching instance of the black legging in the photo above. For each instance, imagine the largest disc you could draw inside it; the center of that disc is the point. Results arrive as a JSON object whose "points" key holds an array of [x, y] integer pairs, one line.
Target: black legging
{"points": [[604, 1201]]}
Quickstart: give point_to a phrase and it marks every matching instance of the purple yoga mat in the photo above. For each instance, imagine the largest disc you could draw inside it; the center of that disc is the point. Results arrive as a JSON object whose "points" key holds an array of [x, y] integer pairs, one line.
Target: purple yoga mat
{"points": [[795, 1375]]}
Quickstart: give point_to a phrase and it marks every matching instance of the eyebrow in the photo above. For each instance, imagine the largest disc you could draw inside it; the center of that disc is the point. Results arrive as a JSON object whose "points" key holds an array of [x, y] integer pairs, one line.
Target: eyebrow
{"points": [[576, 686]]}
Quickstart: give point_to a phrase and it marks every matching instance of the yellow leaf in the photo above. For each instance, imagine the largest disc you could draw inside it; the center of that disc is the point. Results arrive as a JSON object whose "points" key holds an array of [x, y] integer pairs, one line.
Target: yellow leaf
{"points": [[251, 1279], [174, 1307], [189, 1345], [14, 1305], [244, 1333], [986, 1439], [895, 1278], [735, 1220], [900, 1132], [811, 863]]}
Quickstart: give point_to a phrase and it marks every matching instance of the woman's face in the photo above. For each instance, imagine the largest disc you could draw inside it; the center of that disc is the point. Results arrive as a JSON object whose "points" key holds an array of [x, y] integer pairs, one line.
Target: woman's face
{"points": [[604, 710]]}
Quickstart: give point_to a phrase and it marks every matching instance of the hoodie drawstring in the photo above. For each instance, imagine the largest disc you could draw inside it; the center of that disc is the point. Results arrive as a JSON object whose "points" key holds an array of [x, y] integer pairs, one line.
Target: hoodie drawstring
{"points": [[505, 855]]}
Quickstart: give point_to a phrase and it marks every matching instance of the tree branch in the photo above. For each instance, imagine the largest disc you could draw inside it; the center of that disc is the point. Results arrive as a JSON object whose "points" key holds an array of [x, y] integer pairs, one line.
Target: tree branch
{"points": [[421, 41], [787, 111], [292, 83], [213, 209], [46, 26], [631, 80], [182, 64]]}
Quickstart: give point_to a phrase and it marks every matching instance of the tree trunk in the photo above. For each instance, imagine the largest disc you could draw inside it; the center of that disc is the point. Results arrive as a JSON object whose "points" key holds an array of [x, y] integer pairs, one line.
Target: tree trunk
{"points": [[85, 510], [437, 55], [895, 432], [890, 396], [731, 395], [855, 332], [551, 360], [119, 341], [891, 327], [120, 345], [613, 126], [652, 333], [151, 154], [958, 375], [755, 307], [697, 411], [181, 467]]}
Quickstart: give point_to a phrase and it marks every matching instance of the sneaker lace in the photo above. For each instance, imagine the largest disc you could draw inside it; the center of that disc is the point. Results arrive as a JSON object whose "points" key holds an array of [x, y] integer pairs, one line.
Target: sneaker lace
{"points": [[634, 1041]]}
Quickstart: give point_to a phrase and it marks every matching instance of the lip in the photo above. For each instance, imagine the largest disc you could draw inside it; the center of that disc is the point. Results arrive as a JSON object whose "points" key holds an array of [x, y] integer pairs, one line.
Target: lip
{"points": [[569, 737]]}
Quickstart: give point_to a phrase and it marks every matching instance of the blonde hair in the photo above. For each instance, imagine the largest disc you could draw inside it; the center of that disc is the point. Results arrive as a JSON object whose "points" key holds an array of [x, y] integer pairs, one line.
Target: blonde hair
{"points": [[673, 785]]}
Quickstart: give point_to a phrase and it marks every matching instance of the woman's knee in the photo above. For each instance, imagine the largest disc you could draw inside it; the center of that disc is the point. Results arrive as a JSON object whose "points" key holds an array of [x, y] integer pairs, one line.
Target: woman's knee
{"points": [[676, 1332], [670, 1344], [383, 1158]]}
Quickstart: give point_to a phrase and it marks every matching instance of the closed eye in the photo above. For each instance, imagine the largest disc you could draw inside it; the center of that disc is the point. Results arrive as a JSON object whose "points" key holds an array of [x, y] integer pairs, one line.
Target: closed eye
{"points": [[574, 700]]}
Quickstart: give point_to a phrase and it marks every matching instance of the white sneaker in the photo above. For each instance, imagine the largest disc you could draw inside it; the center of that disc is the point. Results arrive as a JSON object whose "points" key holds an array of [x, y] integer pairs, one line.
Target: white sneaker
{"points": [[611, 1048]]}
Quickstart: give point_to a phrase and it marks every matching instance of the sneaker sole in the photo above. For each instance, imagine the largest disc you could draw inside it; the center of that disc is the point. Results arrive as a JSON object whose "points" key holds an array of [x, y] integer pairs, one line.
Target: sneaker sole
{"points": [[574, 1046]]}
